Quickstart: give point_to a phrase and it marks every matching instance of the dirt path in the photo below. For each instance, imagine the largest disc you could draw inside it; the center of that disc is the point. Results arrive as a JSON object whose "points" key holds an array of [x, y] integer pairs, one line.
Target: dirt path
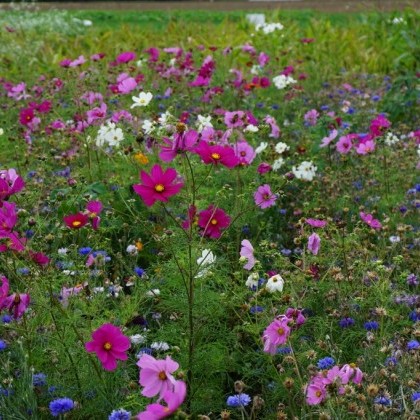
{"points": [[321, 5]]}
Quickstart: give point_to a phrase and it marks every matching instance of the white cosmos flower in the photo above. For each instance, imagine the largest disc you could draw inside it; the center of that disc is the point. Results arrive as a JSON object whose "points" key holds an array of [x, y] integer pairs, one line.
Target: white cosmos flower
{"points": [[261, 147], [252, 280], [207, 258], [281, 147], [203, 122], [278, 163], [142, 100], [306, 171], [275, 284], [251, 128], [282, 81]]}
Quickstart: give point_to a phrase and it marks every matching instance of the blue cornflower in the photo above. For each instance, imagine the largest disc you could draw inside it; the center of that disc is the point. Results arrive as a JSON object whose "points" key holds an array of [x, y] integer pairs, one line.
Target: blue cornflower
{"points": [[120, 414], [325, 363], [246, 230], [239, 400], [144, 350], [6, 319], [413, 345], [85, 250], [139, 271], [376, 98], [256, 309], [412, 280], [346, 322], [39, 379], [391, 361], [284, 350], [23, 271], [324, 108], [414, 316], [371, 325], [29, 233], [383, 401], [415, 396], [286, 252], [61, 406], [3, 345]]}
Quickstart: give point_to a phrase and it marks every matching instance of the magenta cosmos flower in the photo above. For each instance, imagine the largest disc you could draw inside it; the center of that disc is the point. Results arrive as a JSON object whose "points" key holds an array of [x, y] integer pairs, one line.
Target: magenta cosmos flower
{"points": [[276, 334], [10, 183], [16, 304], [370, 221], [76, 221], [212, 221], [110, 345], [216, 154], [244, 152], [94, 208], [318, 223], [156, 375], [173, 398], [247, 251], [8, 216], [314, 243], [264, 198], [4, 289], [158, 186], [181, 142]]}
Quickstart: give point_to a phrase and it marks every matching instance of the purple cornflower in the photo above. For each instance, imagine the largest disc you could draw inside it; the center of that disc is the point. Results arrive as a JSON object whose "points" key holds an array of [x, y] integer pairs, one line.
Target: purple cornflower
{"points": [[61, 406], [39, 379], [120, 414], [383, 401], [413, 345], [371, 325], [412, 280], [325, 363], [239, 400]]}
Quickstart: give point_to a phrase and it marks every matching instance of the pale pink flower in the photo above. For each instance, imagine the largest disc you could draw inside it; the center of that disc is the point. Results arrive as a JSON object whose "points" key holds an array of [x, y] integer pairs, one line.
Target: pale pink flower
{"points": [[314, 242], [247, 251]]}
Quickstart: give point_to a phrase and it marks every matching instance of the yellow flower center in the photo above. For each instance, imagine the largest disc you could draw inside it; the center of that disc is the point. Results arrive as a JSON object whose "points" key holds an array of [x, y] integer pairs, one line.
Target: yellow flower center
{"points": [[213, 221], [352, 365], [318, 393], [280, 331], [266, 196], [76, 223], [159, 188], [107, 346], [162, 376], [215, 156]]}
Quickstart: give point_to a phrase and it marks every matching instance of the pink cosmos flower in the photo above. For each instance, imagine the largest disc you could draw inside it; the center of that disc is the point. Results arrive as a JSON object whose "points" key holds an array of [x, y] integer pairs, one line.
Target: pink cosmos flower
{"points": [[174, 399], [10, 183], [125, 57], [158, 186], [263, 59], [181, 142], [212, 221], [344, 144], [314, 243], [78, 61], [369, 220], [8, 216], [96, 113], [365, 147], [127, 85], [76, 221], [352, 372], [316, 223], [205, 73], [216, 154], [156, 375], [16, 304], [263, 168], [4, 289], [11, 241], [109, 344], [311, 117], [154, 54], [235, 119], [244, 152], [275, 130], [276, 334], [316, 391], [327, 140], [295, 315], [247, 251], [66, 292], [94, 208], [264, 198], [39, 258], [26, 116]]}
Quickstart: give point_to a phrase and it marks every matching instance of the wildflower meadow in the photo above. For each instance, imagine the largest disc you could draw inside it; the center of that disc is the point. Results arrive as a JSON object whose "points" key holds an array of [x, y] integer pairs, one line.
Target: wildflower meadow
{"points": [[209, 215]]}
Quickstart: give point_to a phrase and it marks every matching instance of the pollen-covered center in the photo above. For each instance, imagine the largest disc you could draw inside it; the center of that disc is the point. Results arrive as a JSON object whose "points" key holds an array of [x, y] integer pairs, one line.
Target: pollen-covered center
{"points": [[318, 393], [107, 346], [215, 156], [266, 196], [76, 223], [159, 188], [280, 331], [213, 221], [162, 376]]}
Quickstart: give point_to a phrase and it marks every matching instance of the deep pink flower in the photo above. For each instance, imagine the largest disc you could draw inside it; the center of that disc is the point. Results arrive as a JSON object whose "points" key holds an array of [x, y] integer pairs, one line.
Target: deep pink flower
{"points": [[125, 57], [314, 242], [369, 220], [11, 241], [158, 186], [174, 399], [8, 216], [379, 125], [316, 223], [16, 304], [39, 258], [109, 344], [247, 251], [276, 334], [26, 116], [212, 221], [96, 113], [76, 221], [263, 197], [205, 73], [156, 375], [154, 54], [216, 154], [181, 142], [296, 315], [263, 168]]}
